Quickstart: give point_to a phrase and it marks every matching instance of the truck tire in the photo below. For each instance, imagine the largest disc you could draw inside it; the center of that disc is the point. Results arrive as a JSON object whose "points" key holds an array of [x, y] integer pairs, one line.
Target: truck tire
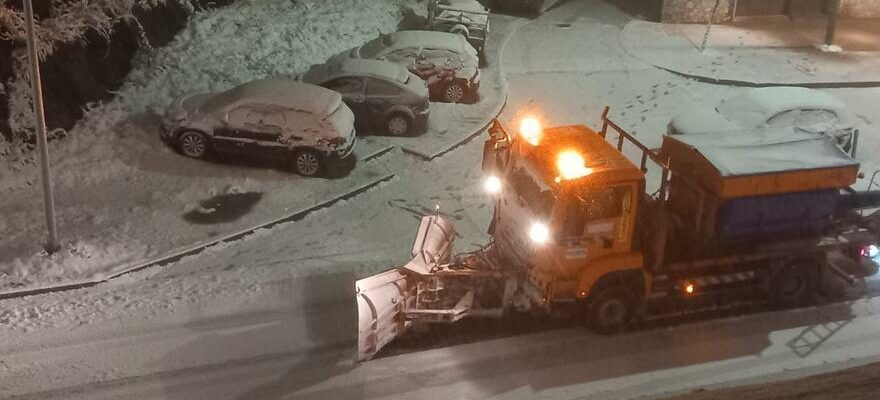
{"points": [[611, 310], [793, 285]]}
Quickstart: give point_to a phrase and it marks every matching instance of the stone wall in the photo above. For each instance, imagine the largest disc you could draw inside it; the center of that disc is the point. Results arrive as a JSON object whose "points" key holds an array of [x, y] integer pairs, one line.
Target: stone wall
{"points": [[860, 8], [696, 10]]}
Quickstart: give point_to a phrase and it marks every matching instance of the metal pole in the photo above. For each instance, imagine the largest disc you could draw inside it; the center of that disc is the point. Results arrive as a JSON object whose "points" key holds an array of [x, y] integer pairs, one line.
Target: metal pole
{"points": [[834, 7], [709, 26], [40, 121]]}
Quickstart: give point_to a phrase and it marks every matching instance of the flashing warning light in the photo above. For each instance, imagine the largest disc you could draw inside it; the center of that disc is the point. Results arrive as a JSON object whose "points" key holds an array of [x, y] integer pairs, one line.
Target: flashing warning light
{"points": [[689, 288], [539, 233], [869, 251], [530, 130], [492, 184], [572, 165]]}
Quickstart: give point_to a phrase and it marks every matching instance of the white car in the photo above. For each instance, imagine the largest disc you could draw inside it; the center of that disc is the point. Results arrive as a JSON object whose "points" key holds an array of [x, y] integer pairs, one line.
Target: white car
{"points": [[446, 61], [306, 125], [805, 110]]}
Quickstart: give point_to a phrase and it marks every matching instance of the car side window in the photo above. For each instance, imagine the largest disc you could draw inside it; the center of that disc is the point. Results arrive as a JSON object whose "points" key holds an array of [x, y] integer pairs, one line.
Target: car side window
{"points": [[381, 88], [784, 118], [243, 117], [346, 85], [273, 119], [407, 54], [816, 119]]}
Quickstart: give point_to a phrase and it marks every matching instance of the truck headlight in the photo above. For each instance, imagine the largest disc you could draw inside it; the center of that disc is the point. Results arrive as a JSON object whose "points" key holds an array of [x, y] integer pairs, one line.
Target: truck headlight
{"points": [[539, 233], [492, 184], [869, 251]]}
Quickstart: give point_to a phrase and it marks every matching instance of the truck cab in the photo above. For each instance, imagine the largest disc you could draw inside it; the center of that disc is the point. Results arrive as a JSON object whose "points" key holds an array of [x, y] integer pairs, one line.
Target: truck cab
{"points": [[565, 210]]}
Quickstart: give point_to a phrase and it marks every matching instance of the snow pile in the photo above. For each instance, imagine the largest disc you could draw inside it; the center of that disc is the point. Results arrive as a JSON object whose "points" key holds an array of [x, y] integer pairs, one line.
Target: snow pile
{"points": [[80, 259], [261, 38], [114, 180]]}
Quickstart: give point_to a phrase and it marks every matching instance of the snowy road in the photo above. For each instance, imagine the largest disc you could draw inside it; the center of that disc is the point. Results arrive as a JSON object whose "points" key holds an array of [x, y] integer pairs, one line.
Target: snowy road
{"points": [[272, 317]]}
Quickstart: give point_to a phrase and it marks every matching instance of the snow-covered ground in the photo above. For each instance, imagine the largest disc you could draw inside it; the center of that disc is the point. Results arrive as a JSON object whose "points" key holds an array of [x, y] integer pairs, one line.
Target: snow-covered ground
{"points": [[124, 198], [271, 315]]}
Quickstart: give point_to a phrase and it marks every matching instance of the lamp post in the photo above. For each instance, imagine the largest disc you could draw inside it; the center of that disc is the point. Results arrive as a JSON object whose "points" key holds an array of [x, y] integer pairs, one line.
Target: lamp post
{"points": [[52, 244], [833, 9]]}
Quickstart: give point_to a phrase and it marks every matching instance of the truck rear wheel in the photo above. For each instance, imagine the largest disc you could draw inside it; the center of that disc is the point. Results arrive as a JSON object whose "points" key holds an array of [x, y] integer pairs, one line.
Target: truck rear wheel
{"points": [[793, 285], [611, 310]]}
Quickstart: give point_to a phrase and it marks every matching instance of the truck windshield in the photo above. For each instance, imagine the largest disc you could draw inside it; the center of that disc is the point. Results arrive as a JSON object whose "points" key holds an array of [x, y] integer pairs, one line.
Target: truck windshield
{"points": [[539, 200], [592, 204]]}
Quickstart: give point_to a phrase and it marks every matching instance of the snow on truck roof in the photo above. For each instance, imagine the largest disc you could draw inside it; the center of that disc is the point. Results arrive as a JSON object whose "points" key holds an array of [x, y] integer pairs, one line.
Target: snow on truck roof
{"points": [[280, 92], [767, 152], [606, 162]]}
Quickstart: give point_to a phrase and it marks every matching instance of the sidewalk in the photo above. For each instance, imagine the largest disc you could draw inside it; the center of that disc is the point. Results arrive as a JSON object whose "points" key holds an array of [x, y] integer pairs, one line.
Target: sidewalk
{"points": [[762, 51]]}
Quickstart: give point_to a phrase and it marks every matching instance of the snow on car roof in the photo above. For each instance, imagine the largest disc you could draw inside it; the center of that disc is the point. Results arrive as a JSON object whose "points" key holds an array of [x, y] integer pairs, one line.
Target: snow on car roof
{"points": [[767, 151], [426, 39], [280, 92], [365, 67], [780, 98]]}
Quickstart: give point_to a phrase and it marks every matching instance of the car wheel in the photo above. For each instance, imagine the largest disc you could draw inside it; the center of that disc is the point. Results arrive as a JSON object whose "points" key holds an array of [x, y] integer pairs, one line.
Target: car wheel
{"points": [[397, 124], [193, 144], [454, 92], [611, 310], [307, 162]]}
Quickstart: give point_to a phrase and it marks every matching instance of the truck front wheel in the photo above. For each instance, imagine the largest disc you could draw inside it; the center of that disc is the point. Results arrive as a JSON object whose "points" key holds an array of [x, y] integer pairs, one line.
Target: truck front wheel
{"points": [[611, 310]]}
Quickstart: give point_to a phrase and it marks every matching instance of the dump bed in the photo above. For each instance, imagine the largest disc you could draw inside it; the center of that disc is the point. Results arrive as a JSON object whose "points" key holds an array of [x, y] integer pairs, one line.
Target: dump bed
{"points": [[755, 186], [745, 164]]}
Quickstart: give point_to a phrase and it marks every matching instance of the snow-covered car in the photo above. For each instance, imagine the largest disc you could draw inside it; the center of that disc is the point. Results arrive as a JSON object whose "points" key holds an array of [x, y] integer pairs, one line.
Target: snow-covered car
{"points": [[306, 125], [468, 18], [803, 109], [383, 95], [446, 61]]}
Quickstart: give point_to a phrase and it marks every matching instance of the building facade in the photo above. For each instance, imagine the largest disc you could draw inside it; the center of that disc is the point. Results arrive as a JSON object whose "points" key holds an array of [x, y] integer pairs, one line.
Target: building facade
{"points": [[699, 11]]}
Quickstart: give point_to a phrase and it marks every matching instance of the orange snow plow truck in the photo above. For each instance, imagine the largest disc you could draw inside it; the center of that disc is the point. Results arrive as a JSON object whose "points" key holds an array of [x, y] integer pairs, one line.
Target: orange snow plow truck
{"points": [[734, 218]]}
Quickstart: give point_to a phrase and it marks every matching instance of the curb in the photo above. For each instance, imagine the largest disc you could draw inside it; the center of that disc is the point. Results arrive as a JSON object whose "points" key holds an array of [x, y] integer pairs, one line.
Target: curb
{"points": [[176, 255], [742, 82]]}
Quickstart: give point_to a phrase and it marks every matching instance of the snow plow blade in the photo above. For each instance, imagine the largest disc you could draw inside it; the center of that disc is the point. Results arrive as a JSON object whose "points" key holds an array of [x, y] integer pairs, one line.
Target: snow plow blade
{"points": [[384, 299]]}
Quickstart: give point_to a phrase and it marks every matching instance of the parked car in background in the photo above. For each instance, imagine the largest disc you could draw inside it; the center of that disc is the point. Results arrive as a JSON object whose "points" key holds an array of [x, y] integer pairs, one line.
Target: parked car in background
{"points": [[447, 62], [468, 18], [306, 125], [803, 109], [384, 96]]}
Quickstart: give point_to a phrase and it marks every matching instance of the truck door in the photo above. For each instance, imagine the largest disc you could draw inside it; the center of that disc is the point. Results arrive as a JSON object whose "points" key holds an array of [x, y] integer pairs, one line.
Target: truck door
{"points": [[595, 222]]}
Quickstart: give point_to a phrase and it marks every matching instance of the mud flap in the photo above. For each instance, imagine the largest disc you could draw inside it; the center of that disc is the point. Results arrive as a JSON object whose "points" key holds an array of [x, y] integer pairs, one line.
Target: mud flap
{"points": [[383, 299]]}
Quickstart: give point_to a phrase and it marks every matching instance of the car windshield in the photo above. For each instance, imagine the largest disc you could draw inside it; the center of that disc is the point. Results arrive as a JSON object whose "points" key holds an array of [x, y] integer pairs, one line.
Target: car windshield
{"points": [[743, 110], [374, 47], [539, 200]]}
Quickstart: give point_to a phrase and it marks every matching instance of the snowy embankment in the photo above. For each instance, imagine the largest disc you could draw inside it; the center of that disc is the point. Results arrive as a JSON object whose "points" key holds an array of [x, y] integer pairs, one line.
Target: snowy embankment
{"points": [[123, 196]]}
